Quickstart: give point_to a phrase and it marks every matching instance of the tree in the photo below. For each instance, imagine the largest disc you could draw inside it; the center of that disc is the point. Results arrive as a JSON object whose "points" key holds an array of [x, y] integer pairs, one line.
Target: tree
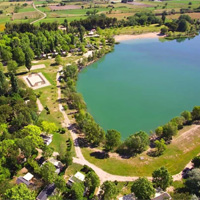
{"points": [[3, 83], [161, 178], [91, 182], [143, 189], [169, 130], [183, 25], [160, 147], [58, 60], [187, 115], [196, 113], [163, 17], [113, 138], [137, 143], [14, 83], [48, 172], [47, 151], [77, 191], [60, 183], [159, 131], [71, 71], [109, 190], [196, 161], [193, 182], [31, 130], [19, 192], [19, 56], [48, 127], [12, 66], [164, 30], [29, 55]]}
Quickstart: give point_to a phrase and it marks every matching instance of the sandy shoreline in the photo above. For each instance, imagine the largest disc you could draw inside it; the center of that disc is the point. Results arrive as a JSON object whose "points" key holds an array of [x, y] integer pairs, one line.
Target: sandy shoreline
{"points": [[119, 38]]}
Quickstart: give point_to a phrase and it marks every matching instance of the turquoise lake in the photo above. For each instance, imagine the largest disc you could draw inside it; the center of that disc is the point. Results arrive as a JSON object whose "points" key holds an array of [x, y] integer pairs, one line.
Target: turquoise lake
{"points": [[142, 84]]}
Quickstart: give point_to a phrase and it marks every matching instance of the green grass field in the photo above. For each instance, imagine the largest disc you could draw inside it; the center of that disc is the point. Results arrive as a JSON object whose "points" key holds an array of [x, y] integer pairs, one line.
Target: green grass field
{"points": [[178, 154]]}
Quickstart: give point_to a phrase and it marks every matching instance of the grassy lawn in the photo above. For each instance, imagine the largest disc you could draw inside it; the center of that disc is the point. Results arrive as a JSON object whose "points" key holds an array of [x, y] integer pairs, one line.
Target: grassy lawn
{"points": [[71, 170], [178, 154]]}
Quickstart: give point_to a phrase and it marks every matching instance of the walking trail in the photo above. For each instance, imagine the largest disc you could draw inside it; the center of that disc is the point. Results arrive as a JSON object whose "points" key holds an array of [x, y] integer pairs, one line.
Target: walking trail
{"points": [[79, 159], [44, 14]]}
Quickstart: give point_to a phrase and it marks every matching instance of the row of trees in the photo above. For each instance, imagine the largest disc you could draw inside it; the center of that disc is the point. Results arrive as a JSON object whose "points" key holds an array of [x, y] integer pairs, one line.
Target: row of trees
{"points": [[94, 21]]}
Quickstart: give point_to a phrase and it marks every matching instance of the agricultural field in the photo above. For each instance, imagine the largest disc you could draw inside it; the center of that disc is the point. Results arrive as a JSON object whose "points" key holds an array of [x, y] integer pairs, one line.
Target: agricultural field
{"points": [[58, 11]]}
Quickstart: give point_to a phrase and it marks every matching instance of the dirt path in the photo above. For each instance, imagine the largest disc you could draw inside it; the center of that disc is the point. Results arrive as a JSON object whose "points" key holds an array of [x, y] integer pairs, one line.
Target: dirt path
{"points": [[79, 159], [44, 14]]}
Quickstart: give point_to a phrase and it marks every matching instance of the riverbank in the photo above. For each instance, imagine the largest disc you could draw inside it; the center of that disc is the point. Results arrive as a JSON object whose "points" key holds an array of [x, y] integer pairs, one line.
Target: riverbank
{"points": [[119, 38]]}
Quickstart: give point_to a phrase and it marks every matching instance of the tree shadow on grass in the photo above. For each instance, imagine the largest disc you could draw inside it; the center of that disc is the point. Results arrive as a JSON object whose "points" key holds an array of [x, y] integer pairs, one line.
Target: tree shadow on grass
{"points": [[100, 154]]}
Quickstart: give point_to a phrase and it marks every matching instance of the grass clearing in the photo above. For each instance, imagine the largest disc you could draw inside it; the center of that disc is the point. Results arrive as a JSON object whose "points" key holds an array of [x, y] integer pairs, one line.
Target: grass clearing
{"points": [[178, 154]]}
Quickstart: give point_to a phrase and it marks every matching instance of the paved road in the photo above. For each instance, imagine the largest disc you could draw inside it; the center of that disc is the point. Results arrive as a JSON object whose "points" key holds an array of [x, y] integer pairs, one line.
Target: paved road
{"points": [[79, 159], [44, 14]]}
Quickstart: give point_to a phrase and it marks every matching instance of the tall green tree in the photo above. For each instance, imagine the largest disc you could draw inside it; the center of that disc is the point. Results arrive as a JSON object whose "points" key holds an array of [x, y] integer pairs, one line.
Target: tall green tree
{"points": [[3, 84], [193, 182], [19, 192], [169, 130], [12, 66], [187, 115], [143, 189], [91, 182], [29, 55], [47, 172], [137, 143], [109, 190], [19, 56], [196, 161], [196, 113], [161, 178], [77, 191], [113, 139], [14, 83], [160, 147]]}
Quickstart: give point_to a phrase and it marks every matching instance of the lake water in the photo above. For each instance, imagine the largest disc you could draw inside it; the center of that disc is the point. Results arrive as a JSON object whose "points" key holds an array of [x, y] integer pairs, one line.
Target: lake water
{"points": [[142, 84]]}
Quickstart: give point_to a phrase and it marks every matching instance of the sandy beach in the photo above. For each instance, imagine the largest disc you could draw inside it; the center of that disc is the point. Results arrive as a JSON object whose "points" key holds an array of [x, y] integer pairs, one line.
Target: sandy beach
{"points": [[119, 38]]}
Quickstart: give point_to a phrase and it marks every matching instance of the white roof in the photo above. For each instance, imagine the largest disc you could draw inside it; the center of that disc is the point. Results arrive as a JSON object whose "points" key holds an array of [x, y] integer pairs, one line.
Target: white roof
{"points": [[54, 162], [28, 176], [80, 176]]}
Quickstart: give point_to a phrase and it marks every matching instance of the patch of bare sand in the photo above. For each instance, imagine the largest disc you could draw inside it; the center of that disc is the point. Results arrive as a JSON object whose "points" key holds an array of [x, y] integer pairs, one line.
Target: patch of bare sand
{"points": [[119, 38]]}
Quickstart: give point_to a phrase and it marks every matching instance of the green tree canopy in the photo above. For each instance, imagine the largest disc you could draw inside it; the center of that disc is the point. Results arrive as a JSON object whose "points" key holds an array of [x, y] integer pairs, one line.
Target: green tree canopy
{"points": [[160, 146], [143, 189], [187, 115], [91, 182], [77, 191], [113, 139], [109, 190], [193, 182], [12, 66], [137, 143], [196, 113], [196, 161], [19, 56], [49, 127], [19, 192], [58, 60], [161, 178], [47, 172]]}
